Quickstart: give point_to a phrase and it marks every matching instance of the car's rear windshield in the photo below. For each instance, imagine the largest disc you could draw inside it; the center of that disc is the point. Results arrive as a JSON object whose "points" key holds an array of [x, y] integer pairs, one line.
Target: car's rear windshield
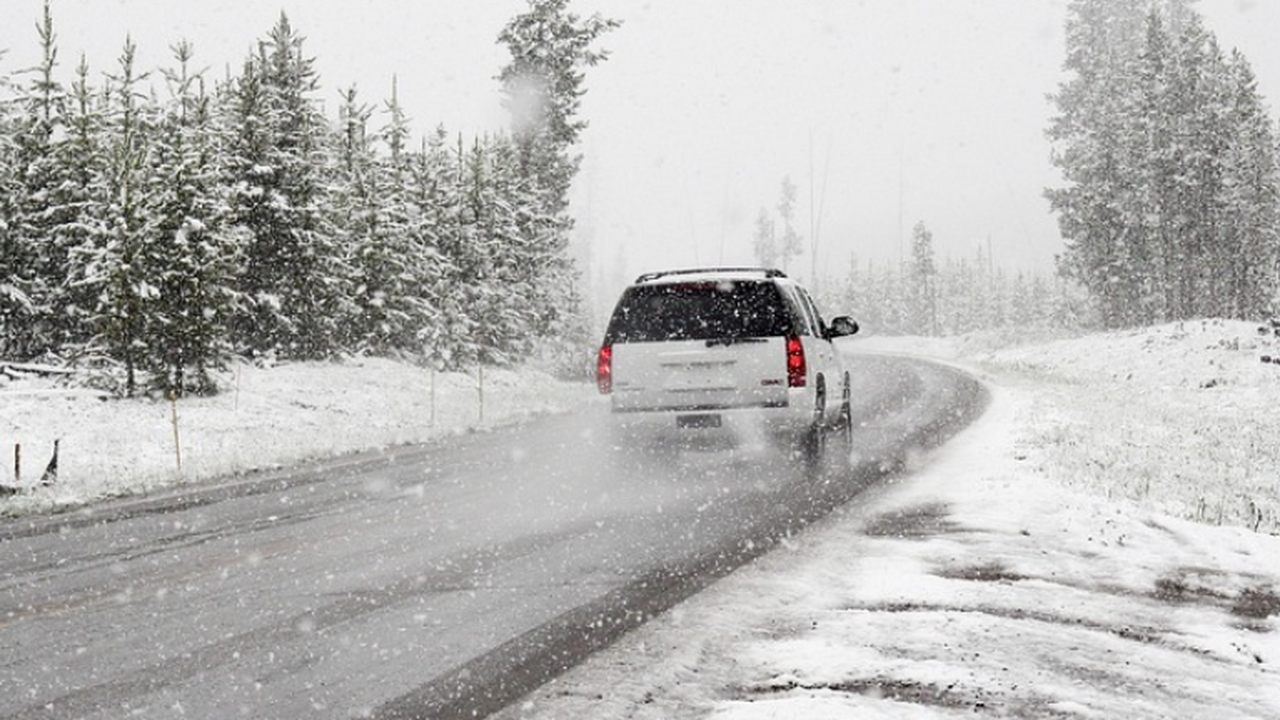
{"points": [[698, 311]]}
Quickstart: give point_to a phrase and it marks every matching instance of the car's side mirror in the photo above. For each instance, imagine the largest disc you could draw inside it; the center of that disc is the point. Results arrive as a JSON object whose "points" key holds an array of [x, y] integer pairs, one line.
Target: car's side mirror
{"points": [[843, 327]]}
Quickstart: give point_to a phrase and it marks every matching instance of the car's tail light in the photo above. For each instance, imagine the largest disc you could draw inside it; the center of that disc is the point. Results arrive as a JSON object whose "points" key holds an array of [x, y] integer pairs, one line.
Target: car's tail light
{"points": [[796, 369], [604, 369]]}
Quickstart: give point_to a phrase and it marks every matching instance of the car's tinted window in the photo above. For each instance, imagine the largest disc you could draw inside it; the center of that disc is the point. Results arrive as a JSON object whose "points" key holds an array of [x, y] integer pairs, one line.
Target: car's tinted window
{"points": [[699, 311], [811, 309], [805, 324]]}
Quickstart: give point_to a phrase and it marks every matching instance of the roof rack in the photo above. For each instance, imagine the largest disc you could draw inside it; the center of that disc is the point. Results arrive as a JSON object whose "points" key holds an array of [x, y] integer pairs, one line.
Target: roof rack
{"points": [[765, 272]]}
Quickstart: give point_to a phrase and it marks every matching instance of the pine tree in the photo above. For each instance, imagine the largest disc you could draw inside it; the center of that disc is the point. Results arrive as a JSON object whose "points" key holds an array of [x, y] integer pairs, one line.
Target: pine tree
{"points": [[1090, 138], [191, 250], [500, 303], [411, 227], [1155, 154], [1200, 121], [1250, 200], [436, 202], [923, 283], [82, 208], [764, 242], [789, 243], [1157, 142], [293, 282], [15, 303], [119, 268], [387, 255], [542, 88], [34, 271]]}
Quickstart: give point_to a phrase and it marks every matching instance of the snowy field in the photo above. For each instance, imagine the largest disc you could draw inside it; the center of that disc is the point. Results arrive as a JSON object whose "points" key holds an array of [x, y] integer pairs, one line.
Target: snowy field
{"points": [[1102, 543], [265, 418]]}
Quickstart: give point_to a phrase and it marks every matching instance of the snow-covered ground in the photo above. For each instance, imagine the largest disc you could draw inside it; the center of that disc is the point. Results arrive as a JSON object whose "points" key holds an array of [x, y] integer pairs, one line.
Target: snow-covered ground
{"points": [[1086, 550], [266, 417]]}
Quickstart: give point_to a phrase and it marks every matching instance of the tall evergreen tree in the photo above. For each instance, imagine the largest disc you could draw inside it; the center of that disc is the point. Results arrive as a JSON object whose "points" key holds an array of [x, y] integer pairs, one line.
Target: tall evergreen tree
{"points": [[82, 207], [193, 251], [923, 282], [436, 200], [1250, 200], [764, 241], [1152, 125], [293, 280], [389, 306], [542, 88], [15, 303], [34, 273], [120, 268], [789, 242], [409, 228], [1089, 135]]}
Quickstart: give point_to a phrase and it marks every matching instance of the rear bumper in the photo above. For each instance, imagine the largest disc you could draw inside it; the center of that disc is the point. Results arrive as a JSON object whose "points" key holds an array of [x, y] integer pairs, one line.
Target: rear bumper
{"points": [[712, 425]]}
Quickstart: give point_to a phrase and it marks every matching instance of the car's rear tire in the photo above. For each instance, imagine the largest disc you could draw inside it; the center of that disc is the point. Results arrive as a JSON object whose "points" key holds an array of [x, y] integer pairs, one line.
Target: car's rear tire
{"points": [[813, 443], [844, 425]]}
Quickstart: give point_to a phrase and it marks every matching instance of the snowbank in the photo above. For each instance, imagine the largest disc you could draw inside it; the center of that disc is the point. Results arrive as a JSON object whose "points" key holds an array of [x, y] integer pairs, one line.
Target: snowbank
{"points": [[266, 417], [1182, 417]]}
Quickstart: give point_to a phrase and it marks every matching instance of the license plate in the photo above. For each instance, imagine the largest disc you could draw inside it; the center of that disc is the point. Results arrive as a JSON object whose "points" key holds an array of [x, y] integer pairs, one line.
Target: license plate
{"points": [[698, 421]]}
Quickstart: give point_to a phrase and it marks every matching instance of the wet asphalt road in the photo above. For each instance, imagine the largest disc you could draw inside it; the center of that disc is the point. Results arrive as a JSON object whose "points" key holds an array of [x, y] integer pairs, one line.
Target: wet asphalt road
{"points": [[439, 582]]}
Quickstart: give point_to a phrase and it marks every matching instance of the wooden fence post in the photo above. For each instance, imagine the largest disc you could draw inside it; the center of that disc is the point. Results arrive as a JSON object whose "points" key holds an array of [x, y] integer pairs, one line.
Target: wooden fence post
{"points": [[177, 439]]}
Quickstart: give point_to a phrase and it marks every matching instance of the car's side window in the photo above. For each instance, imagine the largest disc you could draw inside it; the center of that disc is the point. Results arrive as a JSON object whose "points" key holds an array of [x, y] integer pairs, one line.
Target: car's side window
{"points": [[818, 324], [805, 324]]}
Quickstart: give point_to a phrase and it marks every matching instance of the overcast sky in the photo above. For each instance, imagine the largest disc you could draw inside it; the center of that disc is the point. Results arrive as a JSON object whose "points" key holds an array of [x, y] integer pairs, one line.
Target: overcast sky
{"points": [[884, 113]]}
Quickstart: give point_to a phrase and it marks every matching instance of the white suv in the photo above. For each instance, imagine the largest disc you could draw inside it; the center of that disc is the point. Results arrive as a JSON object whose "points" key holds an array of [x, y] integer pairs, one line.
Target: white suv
{"points": [[724, 353]]}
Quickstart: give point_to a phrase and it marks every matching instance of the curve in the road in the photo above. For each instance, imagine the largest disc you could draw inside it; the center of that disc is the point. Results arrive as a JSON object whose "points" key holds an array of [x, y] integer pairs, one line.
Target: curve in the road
{"points": [[433, 582]]}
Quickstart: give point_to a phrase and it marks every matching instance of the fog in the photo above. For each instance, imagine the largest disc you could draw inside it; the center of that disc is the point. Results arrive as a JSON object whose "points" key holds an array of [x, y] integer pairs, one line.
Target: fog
{"points": [[883, 114]]}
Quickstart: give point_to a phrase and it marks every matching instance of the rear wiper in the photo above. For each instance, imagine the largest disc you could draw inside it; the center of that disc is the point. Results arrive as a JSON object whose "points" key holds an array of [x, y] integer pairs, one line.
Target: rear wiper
{"points": [[727, 341]]}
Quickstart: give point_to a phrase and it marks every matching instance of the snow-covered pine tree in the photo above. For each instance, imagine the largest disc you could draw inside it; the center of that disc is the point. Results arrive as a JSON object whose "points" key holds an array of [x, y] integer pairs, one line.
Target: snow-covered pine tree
{"points": [[542, 88], [388, 306], [35, 267], [15, 303], [293, 281], [970, 293], [764, 240], [501, 303], [436, 203], [847, 295], [353, 195], [554, 309], [922, 280], [1200, 124], [1153, 154], [81, 208], [119, 268], [1089, 137], [945, 283], [789, 242], [416, 235], [1250, 200], [192, 252]]}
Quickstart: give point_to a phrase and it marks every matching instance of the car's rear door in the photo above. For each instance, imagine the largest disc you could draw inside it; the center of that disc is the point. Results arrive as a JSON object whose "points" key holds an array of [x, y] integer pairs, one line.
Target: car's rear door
{"points": [[692, 346]]}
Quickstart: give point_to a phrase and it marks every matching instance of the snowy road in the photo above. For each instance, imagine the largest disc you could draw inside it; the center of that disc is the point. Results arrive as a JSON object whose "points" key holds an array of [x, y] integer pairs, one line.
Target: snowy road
{"points": [[440, 581]]}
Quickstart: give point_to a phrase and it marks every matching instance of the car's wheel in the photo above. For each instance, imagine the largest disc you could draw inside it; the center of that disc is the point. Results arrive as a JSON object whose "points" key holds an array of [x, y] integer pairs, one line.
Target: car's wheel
{"points": [[845, 417], [844, 422], [813, 444]]}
